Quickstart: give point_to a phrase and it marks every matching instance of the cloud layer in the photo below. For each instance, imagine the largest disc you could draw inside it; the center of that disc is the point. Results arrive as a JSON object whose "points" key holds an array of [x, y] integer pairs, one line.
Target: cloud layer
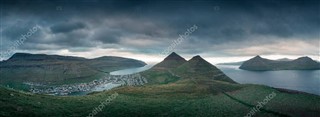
{"points": [[225, 28]]}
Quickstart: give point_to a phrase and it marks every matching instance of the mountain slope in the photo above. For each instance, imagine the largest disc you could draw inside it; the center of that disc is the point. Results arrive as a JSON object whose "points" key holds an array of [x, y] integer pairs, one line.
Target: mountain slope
{"points": [[112, 63], [240, 62], [171, 61], [55, 69], [162, 100], [262, 64], [174, 68], [304, 63], [198, 68], [161, 72], [284, 59]]}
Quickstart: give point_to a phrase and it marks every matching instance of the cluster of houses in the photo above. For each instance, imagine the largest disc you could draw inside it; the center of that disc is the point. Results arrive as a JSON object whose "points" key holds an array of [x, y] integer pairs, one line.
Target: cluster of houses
{"points": [[123, 80]]}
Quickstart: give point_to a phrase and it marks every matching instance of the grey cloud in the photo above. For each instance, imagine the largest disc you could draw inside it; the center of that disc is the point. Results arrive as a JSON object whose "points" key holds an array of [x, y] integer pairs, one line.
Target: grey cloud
{"points": [[18, 28], [82, 25], [107, 35], [67, 27]]}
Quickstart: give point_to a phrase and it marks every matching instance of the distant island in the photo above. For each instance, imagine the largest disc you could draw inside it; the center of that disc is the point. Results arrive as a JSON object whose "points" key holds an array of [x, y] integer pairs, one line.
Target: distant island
{"points": [[262, 64], [240, 62]]}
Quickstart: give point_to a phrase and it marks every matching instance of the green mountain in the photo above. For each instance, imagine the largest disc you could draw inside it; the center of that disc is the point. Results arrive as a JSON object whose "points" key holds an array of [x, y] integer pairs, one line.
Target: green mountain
{"points": [[174, 67], [112, 63], [161, 73], [168, 93], [172, 61], [261, 64], [199, 68], [55, 69]]}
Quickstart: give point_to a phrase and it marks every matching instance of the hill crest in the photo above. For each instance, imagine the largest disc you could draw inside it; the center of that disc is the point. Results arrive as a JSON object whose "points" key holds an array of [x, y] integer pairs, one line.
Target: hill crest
{"points": [[263, 64], [171, 61]]}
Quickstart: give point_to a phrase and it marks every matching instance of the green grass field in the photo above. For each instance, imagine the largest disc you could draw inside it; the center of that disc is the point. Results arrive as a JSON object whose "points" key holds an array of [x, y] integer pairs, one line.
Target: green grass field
{"points": [[181, 98]]}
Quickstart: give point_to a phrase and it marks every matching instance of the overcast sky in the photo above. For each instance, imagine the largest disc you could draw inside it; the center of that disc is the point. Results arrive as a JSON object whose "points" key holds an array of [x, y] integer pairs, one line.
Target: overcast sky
{"points": [[227, 30]]}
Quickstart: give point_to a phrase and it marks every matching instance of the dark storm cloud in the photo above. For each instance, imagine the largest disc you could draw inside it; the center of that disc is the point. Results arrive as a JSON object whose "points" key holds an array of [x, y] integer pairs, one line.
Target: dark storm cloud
{"points": [[151, 26], [107, 36], [67, 27], [15, 30]]}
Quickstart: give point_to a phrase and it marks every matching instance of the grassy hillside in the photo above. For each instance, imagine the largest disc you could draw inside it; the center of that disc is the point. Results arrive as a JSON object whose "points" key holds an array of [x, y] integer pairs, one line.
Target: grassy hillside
{"points": [[55, 69], [182, 98], [159, 76], [198, 68], [186, 90], [172, 61], [175, 67]]}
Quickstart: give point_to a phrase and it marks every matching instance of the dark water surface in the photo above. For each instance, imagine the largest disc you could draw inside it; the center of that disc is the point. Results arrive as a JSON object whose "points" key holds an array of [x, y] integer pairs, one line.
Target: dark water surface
{"points": [[301, 80]]}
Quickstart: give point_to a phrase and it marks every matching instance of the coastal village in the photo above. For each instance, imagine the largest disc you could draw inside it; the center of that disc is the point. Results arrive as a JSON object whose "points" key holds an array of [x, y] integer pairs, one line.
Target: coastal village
{"points": [[121, 80]]}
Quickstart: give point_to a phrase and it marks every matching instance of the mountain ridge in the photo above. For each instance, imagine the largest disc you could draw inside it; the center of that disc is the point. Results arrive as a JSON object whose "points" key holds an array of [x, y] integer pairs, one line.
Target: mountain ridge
{"points": [[196, 68], [258, 63], [199, 68], [57, 69], [171, 61]]}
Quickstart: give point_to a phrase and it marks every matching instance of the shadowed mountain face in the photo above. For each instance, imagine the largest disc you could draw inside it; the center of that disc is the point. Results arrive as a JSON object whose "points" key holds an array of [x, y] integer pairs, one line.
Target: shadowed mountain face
{"points": [[174, 67], [112, 63], [42, 57], [171, 61], [41, 68], [306, 62], [262, 64], [240, 62], [198, 68], [284, 59], [101, 63]]}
